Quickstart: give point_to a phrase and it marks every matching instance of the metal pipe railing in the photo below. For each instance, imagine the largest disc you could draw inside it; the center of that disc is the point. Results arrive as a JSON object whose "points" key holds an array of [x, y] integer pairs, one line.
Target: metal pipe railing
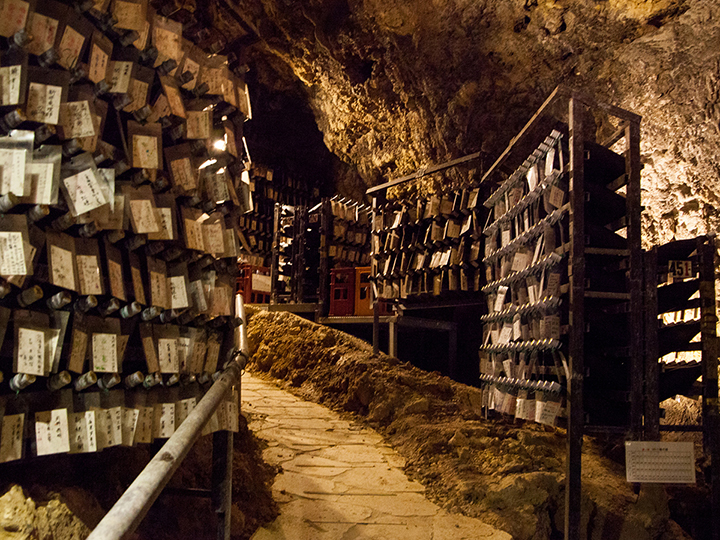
{"points": [[127, 513]]}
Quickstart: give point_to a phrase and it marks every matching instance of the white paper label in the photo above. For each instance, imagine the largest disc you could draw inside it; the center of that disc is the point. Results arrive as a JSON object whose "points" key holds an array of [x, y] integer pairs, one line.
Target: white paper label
{"points": [[51, 432], [11, 438], [10, 77], [660, 462], [84, 191], [145, 152], [12, 254], [104, 349], [76, 119], [83, 432], [98, 64], [198, 295], [43, 103], [143, 433], [199, 124], [500, 299], [138, 285], [63, 274], [164, 421], [546, 412], [12, 168], [168, 355], [214, 241], [31, 352], [129, 425], [183, 174], [120, 77], [89, 274], [70, 47], [178, 292], [144, 216], [183, 410], [40, 177], [139, 93], [194, 234], [158, 290]]}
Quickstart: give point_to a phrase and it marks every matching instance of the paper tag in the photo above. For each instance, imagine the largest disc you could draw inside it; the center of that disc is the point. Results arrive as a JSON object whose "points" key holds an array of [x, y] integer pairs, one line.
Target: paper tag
{"points": [[98, 64], [144, 216], [182, 171], [70, 47], [199, 124], [10, 78], [506, 333], [31, 352], [52, 435], [508, 367], [194, 68], [521, 260], [83, 432], [63, 274], [41, 177], [163, 217], [84, 190], [76, 119], [13, 16], [168, 355], [158, 290], [129, 425], [104, 353], [532, 177], [552, 326], [183, 410], [109, 427], [143, 432], [138, 93], [150, 354], [557, 196], [660, 462], [145, 152], [130, 15], [43, 103], [194, 235], [546, 412], [549, 162], [120, 82], [11, 438], [12, 254], [213, 239], [198, 295], [183, 347], [78, 350], [117, 287], [505, 237], [178, 293], [500, 298], [175, 101], [164, 420], [138, 288], [89, 274], [12, 169], [517, 328], [43, 30]]}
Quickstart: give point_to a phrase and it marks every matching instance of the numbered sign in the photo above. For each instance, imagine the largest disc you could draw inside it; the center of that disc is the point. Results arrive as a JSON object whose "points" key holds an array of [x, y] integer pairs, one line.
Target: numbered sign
{"points": [[681, 269]]}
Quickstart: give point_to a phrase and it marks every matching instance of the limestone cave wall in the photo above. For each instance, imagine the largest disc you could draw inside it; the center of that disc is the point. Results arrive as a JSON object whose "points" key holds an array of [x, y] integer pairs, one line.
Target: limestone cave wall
{"points": [[397, 84]]}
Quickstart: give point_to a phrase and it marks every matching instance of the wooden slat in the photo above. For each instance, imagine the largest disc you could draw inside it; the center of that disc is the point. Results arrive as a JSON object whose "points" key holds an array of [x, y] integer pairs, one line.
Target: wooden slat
{"points": [[652, 367]]}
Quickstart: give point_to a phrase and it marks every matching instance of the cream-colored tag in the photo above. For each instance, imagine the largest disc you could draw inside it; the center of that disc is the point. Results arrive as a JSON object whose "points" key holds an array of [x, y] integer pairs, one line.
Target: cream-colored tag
{"points": [[175, 101], [150, 354], [115, 416], [130, 15], [212, 426], [104, 353], [228, 92], [220, 301], [198, 357], [164, 219], [52, 435], [183, 346], [129, 425], [168, 45], [12, 254], [213, 239], [83, 432], [211, 359], [78, 351], [198, 295], [214, 78], [84, 190], [117, 288], [183, 409], [144, 216], [108, 434], [178, 292], [194, 235], [70, 47], [19, 279], [11, 438], [139, 93], [232, 417], [121, 73], [41, 179], [10, 78], [13, 16], [43, 30], [12, 171], [31, 352], [143, 433], [158, 290], [63, 273], [183, 174], [142, 42], [138, 286], [89, 274], [76, 119], [194, 68], [199, 124], [98, 64], [168, 355], [89, 144], [164, 420], [145, 152]]}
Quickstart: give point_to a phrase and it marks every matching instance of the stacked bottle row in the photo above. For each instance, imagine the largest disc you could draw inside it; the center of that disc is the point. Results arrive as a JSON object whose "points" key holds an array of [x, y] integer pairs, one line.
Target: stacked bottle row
{"points": [[525, 242], [122, 189], [428, 247], [348, 238]]}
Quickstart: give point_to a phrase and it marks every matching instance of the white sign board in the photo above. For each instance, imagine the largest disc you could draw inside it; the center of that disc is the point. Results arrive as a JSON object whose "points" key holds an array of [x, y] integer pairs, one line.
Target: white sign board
{"points": [[660, 462]]}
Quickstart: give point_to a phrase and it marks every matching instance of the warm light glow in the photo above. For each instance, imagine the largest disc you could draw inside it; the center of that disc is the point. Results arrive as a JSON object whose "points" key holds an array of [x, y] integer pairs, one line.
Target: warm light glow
{"points": [[220, 145], [207, 163]]}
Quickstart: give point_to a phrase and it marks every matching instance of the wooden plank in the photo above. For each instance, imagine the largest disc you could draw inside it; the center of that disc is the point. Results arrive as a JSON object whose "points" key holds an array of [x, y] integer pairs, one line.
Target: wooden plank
{"points": [[616, 136], [601, 295], [652, 366], [326, 234], [610, 109], [635, 284], [575, 410], [275, 255], [607, 251]]}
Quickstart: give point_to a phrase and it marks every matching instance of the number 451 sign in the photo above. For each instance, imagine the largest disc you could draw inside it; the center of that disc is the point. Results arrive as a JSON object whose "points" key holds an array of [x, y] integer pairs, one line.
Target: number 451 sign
{"points": [[681, 269]]}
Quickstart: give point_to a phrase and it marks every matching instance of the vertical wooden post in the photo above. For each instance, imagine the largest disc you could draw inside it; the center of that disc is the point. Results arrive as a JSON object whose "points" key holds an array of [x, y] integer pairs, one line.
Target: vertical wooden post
{"points": [[711, 423], [632, 197], [575, 409], [652, 366], [373, 299], [275, 255], [325, 236]]}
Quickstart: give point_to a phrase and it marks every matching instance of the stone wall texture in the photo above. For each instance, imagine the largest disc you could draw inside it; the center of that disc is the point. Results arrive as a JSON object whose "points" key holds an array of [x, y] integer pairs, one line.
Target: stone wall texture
{"points": [[398, 84]]}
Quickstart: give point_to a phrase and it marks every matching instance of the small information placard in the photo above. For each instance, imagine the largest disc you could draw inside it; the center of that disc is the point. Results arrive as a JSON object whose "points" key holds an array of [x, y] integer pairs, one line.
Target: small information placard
{"points": [[660, 462]]}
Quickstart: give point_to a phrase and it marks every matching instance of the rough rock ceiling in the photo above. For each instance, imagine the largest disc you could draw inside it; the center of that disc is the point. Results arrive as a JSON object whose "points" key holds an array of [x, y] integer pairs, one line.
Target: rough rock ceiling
{"points": [[394, 85]]}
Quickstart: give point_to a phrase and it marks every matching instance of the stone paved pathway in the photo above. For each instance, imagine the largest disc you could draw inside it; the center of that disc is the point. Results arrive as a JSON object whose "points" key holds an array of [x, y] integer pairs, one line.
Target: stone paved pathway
{"points": [[340, 481]]}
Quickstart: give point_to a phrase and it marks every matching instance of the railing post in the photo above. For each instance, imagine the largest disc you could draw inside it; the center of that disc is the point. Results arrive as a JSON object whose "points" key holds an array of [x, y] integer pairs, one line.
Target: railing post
{"points": [[222, 481]]}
